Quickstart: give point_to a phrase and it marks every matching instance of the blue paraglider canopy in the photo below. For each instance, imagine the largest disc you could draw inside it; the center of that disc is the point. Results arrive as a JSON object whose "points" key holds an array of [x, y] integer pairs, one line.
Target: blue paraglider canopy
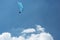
{"points": [[20, 5]]}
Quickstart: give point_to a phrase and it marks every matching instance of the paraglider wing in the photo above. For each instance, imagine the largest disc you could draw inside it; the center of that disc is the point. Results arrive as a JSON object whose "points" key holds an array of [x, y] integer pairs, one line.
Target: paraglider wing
{"points": [[20, 5]]}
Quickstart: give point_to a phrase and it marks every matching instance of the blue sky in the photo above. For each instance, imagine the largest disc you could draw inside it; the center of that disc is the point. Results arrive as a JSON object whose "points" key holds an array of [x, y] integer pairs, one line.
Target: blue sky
{"points": [[42, 12]]}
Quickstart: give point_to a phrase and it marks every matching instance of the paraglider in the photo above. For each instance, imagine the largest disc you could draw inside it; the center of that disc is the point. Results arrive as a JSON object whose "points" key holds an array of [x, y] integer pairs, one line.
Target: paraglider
{"points": [[20, 6]]}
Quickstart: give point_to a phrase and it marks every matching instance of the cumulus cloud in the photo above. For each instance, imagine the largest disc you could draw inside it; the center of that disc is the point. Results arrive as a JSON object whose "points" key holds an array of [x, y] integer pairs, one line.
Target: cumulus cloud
{"points": [[40, 28], [42, 35], [30, 30]]}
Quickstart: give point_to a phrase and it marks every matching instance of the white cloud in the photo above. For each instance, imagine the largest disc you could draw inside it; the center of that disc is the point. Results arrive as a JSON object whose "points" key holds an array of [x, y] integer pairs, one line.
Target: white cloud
{"points": [[45, 36], [5, 36], [38, 36], [30, 30], [40, 28]]}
